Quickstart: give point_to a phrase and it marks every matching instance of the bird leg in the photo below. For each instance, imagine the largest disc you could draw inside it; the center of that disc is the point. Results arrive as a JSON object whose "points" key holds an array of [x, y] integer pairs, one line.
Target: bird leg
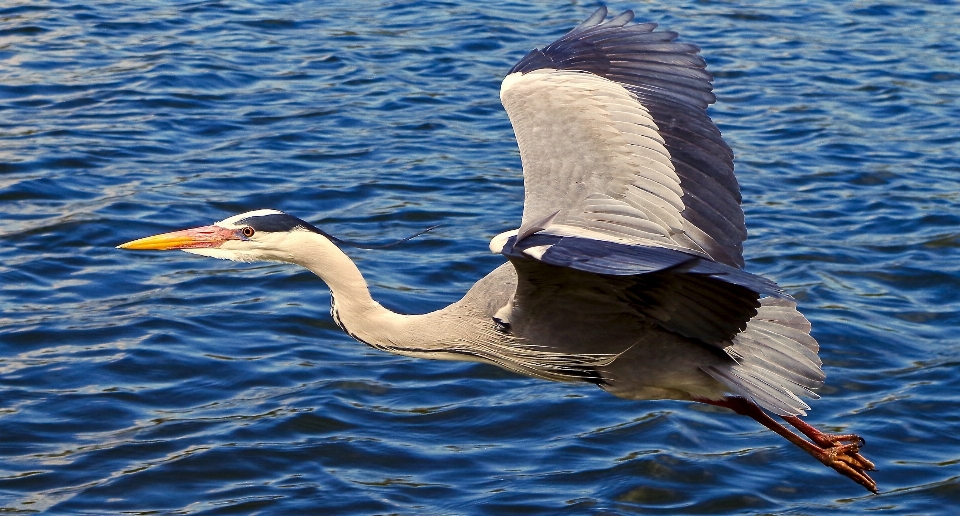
{"points": [[824, 440], [840, 452]]}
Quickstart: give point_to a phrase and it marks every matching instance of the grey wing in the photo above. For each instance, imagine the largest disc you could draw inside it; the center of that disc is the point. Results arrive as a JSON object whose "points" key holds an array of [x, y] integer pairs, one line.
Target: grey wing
{"points": [[616, 143], [626, 177]]}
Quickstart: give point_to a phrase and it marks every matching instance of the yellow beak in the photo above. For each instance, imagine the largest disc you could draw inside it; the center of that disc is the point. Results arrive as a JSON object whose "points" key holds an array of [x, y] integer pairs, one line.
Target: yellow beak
{"points": [[206, 236]]}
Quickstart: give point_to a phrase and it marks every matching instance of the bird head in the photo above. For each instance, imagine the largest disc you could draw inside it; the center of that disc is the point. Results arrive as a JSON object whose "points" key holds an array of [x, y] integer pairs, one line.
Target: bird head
{"points": [[261, 235]]}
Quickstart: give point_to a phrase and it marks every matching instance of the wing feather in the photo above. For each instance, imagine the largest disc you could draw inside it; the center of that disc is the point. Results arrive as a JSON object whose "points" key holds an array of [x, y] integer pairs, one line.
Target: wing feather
{"points": [[628, 179], [776, 359], [619, 111]]}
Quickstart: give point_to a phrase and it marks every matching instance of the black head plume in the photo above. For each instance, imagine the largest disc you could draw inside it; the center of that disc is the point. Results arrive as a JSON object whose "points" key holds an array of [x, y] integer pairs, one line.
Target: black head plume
{"points": [[279, 222]]}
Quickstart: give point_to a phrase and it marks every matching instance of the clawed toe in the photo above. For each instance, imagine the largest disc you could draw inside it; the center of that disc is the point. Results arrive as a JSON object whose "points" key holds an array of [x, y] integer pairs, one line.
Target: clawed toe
{"points": [[855, 474], [859, 461], [849, 452], [846, 460]]}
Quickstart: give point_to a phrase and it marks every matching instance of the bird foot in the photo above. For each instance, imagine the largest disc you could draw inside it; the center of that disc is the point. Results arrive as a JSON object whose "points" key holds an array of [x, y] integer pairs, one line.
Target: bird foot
{"points": [[839, 451], [846, 460]]}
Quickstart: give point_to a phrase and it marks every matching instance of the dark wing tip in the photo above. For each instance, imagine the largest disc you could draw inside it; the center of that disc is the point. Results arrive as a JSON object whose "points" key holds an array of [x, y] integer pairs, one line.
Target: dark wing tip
{"points": [[598, 46], [594, 19], [620, 20], [596, 22]]}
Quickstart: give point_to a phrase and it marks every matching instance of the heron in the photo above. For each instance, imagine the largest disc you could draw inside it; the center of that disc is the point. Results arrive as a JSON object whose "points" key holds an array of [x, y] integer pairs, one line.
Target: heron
{"points": [[627, 268]]}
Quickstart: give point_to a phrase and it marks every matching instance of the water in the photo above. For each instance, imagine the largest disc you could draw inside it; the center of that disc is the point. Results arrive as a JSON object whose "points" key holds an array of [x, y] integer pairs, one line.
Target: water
{"points": [[169, 383]]}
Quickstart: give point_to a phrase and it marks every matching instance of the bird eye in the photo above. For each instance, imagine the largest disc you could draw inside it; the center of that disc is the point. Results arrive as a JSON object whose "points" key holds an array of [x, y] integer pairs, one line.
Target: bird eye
{"points": [[247, 231]]}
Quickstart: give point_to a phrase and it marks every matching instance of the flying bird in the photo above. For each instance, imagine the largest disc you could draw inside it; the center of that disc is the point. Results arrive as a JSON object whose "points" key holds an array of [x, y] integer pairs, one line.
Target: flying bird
{"points": [[627, 268]]}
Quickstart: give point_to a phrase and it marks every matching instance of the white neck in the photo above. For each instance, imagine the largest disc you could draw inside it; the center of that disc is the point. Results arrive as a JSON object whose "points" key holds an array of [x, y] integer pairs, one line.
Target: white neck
{"points": [[461, 331], [353, 306]]}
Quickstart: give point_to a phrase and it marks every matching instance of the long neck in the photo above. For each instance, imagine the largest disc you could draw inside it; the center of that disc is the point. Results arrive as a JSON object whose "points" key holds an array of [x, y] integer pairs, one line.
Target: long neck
{"points": [[352, 306], [461, 331], [457, 332]]}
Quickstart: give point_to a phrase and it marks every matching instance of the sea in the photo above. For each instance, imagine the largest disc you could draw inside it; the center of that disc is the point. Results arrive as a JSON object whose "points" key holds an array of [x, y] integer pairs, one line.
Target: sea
{"points": [[168, 383]]}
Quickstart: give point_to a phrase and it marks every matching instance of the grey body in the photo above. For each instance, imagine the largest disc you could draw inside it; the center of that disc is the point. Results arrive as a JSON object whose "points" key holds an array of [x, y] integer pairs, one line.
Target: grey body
{"points": [[574, 314], [574, 326]]}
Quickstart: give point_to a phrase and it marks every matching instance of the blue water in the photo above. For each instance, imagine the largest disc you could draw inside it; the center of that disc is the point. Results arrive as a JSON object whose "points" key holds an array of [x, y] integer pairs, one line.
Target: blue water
{"points": [[171, 383]]}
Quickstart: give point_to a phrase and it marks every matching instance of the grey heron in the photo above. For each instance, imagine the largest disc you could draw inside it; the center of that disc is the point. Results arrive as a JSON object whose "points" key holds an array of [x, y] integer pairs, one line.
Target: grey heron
{"points": [[627, 268]]}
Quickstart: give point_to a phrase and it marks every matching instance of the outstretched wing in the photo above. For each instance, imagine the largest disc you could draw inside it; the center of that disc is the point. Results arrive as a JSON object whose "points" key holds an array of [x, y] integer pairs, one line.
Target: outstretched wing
{"points": [[628, 179], [626, 175], [616, 143]]}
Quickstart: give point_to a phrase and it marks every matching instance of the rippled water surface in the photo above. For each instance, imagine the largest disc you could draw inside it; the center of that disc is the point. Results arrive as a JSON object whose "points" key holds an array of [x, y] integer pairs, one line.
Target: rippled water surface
{"points": [[172, 383]]}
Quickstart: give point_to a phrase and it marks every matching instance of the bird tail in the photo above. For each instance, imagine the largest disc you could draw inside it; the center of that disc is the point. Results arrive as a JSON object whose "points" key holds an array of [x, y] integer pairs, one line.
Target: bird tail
{"points": [[775, 360]]}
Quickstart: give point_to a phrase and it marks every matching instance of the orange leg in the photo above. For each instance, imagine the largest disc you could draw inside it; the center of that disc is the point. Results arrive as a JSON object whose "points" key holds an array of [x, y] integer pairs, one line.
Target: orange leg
{"points": [[824, 440], [840, 452]]}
